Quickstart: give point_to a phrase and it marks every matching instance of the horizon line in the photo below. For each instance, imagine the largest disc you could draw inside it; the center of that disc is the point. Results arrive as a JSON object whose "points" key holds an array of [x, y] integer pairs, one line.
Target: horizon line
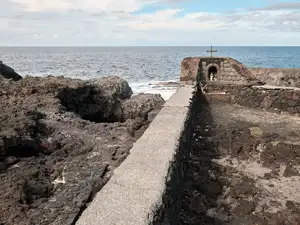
{"points": [[120, 46]]}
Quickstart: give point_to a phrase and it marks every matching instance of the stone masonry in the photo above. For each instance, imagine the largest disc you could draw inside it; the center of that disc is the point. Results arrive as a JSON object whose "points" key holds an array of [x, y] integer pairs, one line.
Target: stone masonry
{"points": [[270, 98], [227, 70]]}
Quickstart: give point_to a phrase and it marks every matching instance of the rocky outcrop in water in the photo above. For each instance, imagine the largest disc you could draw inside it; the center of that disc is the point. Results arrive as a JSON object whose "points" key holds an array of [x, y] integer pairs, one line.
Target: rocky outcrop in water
{"points": [[8, 72], [60, 140]]}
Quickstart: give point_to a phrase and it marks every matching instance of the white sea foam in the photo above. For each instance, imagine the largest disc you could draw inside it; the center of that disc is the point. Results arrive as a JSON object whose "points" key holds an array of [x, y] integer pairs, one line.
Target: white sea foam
{"points": [[155, 87]]}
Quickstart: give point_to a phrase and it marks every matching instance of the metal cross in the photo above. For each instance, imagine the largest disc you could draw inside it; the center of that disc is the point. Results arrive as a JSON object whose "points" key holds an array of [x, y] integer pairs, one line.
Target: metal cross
{"points": [[211, 51]]}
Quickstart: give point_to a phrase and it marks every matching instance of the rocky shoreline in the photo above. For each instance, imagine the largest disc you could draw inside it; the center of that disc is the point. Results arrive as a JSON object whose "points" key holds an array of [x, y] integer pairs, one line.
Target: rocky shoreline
{"points": [[60, 140]]}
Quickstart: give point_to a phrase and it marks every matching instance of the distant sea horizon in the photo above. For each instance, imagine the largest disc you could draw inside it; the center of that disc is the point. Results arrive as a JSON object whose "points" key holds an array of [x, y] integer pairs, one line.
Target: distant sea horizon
{"points": [[137, 46], [141, 66]]}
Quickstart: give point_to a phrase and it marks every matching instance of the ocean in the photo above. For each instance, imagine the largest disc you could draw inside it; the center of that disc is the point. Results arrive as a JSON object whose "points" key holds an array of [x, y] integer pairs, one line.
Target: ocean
{"points": [[142, 67]]}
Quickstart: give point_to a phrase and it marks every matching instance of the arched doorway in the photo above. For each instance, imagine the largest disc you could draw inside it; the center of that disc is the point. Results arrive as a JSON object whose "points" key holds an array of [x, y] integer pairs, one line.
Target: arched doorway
{"points": [[212, 73]]}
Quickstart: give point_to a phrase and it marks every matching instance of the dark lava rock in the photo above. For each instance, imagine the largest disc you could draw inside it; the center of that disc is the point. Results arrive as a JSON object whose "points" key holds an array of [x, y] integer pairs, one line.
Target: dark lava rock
{"points": [[9, 72], [3, 166], [141, 105], [88, 102], [244, 208], [11, 160], [113, 86], [282, 153], [58, 137], [293, 206], [290, 171], [243, 189]]}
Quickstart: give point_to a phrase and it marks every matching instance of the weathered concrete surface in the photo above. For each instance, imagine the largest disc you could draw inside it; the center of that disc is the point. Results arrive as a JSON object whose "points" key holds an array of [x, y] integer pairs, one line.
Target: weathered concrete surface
{"points": [[135, 191]]}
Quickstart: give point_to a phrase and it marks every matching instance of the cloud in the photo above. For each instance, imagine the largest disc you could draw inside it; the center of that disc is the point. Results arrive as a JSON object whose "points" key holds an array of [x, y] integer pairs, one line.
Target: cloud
{"points": [[111, 22], [280, 6], [85, 5]]}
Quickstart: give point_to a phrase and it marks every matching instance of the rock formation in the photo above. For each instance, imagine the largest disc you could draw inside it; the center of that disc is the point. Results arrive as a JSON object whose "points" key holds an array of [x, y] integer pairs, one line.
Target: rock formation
{"points": [[60, 139], [8, 72]]}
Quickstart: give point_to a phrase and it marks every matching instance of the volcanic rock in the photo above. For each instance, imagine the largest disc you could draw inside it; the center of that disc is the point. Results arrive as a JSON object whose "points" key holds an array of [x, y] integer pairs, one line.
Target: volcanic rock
{"points": [[8, 72], [58, 137]]}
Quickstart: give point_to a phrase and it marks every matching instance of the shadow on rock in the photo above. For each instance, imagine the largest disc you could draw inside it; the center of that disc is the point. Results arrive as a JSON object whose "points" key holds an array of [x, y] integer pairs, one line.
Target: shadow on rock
{"points": [[91, 105], [26, 141], [193, 189]]}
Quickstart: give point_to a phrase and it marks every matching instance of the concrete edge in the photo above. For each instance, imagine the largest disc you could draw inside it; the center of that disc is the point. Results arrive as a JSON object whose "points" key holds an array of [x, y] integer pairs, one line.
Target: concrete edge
{"points": [[272, 87], [135, 191], [188, 82]]}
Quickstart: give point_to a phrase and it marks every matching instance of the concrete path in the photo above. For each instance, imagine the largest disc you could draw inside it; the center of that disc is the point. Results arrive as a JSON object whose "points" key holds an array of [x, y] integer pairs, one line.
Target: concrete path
{"points": [[135, 190]]}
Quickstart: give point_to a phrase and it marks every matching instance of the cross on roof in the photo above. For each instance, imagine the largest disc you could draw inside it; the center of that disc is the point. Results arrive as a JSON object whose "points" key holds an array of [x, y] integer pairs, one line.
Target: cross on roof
{"points": [[211, 51]]}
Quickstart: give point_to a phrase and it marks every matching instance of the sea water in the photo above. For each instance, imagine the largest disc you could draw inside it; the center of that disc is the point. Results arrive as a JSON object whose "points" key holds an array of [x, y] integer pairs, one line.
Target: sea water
{"points": [[142, 67]]}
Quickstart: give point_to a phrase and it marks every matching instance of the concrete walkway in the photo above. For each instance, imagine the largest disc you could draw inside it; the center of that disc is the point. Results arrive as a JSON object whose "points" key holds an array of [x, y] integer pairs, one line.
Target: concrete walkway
{"points": [[135, 190]]}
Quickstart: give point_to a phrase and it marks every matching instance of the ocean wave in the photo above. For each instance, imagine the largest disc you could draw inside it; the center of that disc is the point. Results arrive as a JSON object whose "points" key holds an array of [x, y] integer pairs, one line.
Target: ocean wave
{"points": [[165, 88]]}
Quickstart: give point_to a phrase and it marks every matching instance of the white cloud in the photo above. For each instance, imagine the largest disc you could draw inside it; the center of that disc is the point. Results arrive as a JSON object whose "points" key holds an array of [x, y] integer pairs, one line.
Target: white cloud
{"points": [[40, 5], [111, 22], [36, 36], [90, 5]]}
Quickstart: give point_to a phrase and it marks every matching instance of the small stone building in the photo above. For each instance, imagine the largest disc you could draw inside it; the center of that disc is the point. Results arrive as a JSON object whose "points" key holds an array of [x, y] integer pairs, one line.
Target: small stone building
{"points": [[215, 69]]}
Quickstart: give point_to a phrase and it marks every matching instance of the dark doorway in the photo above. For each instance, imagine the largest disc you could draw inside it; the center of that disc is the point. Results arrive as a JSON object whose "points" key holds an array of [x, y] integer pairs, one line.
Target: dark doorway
{"points": [[212, 73]]}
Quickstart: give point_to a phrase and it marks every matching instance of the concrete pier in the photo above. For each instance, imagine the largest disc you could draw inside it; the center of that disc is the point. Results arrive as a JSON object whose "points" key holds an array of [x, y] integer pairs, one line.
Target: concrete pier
{"points": [[135, 190]]}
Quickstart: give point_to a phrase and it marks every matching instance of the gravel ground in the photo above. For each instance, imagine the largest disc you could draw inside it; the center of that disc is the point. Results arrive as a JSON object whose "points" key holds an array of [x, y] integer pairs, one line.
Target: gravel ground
{"points": [[234, 165]]}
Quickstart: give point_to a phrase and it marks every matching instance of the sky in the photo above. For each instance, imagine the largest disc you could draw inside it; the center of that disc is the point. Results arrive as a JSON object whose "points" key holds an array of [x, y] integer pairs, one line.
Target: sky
{"points": [[149, 22]]}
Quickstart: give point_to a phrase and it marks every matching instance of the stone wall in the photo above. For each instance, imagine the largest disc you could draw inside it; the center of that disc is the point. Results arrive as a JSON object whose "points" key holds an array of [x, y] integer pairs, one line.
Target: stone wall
{"points": [[229, 71], [278, 76], [271, 99], [137, 186], [189, 70], [229, 74]]}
